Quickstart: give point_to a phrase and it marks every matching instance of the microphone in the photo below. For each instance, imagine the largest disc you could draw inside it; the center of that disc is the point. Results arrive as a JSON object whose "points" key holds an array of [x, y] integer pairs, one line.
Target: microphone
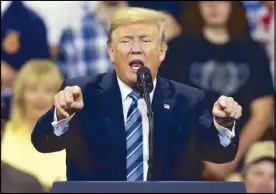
{"points": [[144, 77], [145, 87]]}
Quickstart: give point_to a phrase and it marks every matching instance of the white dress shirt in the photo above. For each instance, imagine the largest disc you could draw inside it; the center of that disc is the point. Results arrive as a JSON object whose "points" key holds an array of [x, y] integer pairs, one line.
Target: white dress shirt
{"points": [[4, 6], [60, 127]]}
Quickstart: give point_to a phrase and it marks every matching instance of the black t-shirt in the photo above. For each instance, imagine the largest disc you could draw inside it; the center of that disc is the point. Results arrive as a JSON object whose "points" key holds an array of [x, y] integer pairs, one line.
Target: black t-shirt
{"points": [[239, 69]]}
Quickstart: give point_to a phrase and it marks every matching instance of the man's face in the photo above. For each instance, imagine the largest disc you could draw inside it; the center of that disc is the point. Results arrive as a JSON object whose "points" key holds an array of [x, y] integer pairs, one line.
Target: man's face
{"points": [[259, 177], [135, 45]]}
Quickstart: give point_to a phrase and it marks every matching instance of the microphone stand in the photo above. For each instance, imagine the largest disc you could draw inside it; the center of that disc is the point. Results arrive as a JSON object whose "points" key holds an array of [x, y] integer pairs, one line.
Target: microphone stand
{"points": [[150, 117]]}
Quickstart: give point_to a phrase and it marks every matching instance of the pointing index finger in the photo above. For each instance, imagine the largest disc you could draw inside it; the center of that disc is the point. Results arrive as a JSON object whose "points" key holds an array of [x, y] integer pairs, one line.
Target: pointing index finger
{"points": [[222, 102], [77, 93], [76, 90]]}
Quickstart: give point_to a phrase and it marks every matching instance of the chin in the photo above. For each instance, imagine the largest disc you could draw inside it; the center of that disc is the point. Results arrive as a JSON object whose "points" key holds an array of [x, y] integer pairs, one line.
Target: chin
{"points": [[132, 81], [216, 23], [133, 84], [132, 77]]}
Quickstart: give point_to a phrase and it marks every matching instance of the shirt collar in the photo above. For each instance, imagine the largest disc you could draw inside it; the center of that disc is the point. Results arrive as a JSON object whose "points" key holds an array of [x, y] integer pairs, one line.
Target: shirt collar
{"points": [[126, 90], [4, 6]]}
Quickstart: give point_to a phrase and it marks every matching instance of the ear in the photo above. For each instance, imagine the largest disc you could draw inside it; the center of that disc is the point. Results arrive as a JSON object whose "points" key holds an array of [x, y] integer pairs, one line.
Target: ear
{"points": [[162, 54], [110, 52]]}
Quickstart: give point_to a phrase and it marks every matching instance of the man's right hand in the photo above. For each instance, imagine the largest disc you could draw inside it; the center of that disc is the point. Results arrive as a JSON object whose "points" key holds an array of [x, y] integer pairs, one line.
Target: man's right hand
{"points": [[68, 101]]}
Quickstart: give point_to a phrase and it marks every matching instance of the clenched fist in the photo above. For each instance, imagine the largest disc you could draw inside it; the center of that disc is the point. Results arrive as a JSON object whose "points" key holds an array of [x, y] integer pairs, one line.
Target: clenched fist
{"points": [[68, 101], [226, 110]]}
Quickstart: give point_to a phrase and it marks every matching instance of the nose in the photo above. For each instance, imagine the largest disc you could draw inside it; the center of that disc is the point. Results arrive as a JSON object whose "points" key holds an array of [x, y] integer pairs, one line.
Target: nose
{"points": [[136, 47]]}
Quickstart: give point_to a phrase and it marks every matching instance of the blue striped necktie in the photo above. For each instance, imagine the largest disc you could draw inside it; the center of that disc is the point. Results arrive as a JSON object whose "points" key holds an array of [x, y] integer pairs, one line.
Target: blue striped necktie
{"points": [[134, 140]]}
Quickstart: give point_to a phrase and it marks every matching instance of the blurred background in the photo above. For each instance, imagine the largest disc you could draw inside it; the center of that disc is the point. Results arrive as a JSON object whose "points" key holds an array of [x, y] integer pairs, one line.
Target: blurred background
{"points": [[221, 47]]}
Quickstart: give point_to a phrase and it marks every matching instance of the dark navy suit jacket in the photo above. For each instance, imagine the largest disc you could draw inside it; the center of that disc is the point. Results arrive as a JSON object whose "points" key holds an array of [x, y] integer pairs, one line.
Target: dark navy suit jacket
{"points": [[95, 142]]}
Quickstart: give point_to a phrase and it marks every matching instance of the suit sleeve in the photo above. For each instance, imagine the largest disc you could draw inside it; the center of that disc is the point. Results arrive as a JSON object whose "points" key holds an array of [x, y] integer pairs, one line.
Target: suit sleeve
{"points": [[43, 137], [208, 142]]}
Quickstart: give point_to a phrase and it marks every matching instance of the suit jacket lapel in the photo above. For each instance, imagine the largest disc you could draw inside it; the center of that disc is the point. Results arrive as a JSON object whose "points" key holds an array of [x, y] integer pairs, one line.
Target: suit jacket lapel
{"points": [[112, 113], [162, 106]]}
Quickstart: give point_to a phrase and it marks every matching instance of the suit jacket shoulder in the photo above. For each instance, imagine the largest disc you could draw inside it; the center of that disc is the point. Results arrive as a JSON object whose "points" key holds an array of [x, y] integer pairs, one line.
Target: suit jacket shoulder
{"points": [[187, 93], [84, 81]]}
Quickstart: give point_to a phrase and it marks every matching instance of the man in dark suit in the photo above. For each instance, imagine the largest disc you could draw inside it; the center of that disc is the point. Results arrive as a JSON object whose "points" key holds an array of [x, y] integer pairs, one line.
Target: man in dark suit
{"points": [[102, 123]]}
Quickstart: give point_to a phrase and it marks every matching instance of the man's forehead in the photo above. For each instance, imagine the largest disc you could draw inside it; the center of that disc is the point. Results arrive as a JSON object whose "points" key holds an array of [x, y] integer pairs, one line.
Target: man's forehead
{"points": [[137, 28]]}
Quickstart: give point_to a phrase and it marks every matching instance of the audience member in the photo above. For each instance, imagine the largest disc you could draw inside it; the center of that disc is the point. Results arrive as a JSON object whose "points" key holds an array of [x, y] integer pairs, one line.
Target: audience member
{"points": [[83, 48], [57, 15], [23, 37], [216, 54], [36, 84], [12, 179], [258, 171], [264, 31]]}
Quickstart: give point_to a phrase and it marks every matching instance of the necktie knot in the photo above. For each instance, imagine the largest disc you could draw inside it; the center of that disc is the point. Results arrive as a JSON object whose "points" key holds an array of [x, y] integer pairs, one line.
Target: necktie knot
{"points": [[135, 95]]}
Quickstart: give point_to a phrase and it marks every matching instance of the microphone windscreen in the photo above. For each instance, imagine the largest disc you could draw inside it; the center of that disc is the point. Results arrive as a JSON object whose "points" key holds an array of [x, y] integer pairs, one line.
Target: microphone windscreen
{"points": [[142, 70], [144, 76]]}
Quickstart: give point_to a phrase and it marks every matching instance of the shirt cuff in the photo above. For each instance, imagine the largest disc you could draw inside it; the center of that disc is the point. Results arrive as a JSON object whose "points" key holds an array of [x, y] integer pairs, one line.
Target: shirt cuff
{"points": [[223, 131], [60, 127], [225, 134]]}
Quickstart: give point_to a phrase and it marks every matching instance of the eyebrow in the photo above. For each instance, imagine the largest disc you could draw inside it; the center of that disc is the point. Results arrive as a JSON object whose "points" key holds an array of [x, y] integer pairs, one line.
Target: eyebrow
{"points": [[127, 36], [141, 36]]}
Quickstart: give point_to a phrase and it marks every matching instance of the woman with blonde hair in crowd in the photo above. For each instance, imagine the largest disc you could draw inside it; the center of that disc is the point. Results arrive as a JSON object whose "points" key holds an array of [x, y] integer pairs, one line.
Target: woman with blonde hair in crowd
{"points": [[33, 95]]}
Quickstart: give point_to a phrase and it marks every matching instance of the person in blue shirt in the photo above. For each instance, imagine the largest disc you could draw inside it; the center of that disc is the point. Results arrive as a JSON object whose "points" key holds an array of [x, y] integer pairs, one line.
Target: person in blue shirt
{"points": [[82, 48]]}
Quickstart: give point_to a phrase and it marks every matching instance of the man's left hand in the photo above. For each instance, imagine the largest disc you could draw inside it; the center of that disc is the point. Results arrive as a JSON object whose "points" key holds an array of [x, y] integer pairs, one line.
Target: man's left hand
{"points": [[226, 110]]}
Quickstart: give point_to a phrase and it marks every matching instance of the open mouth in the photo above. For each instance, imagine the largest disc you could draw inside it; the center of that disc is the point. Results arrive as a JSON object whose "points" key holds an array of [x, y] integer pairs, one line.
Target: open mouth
{"points": [[136, 64]]}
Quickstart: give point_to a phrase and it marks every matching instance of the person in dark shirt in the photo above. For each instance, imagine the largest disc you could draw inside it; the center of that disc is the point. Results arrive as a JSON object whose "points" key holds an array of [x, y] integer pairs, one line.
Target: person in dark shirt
{"points": [[12, 179], [216, 54], [23, 37]]}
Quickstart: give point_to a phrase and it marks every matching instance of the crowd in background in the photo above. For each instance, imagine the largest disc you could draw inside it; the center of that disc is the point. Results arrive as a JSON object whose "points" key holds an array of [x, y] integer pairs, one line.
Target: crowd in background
{"points": [[223, 48]]}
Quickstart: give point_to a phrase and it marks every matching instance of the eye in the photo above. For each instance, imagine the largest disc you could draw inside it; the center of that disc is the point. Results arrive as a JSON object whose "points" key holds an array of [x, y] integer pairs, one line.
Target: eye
{"points": [[125, 41], [146, 40], [257, 173]]}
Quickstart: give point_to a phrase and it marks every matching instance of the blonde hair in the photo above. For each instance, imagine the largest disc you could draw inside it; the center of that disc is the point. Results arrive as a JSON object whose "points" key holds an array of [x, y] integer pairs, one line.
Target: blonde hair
{"points": [[131, 15], [32, 68]]}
